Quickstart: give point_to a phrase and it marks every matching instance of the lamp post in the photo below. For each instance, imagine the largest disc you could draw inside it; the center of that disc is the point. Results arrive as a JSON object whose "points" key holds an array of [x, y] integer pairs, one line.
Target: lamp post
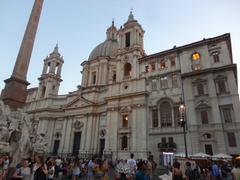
{"points": [[182, 110]]}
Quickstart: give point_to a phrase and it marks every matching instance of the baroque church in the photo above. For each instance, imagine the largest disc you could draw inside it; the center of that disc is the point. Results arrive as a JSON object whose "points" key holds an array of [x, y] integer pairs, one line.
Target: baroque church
{"points": [[129, 101]]}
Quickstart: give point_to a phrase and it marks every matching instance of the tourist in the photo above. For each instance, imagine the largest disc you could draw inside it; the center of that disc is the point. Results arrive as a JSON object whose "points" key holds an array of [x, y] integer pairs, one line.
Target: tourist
{"points": [[6, 162], [76, 170], [58, 166], [39, 170], [189, 172], [2, 171], [51, 170], [141, 169], [133, 164], [149, 168], [90, 167], [215, 173], [176, 171], [236, 170], [24, 172]]}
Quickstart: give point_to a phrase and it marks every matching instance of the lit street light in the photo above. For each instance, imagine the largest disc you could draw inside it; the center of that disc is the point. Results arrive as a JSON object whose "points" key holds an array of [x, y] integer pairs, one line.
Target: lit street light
{"points": [[182, 110]]}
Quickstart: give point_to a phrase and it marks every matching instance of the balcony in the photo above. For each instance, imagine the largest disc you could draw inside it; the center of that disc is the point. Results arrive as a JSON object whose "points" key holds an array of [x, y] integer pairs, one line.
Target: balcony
{"points": [[167, 147]]}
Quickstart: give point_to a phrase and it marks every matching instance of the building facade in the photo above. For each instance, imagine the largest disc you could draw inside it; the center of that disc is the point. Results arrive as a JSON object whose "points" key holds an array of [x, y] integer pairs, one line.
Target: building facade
{"points": [[129, 101]]}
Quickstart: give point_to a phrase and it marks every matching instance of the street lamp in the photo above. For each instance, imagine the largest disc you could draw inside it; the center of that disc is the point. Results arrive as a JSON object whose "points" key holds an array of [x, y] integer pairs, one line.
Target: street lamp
{"points": [[182, 110]]}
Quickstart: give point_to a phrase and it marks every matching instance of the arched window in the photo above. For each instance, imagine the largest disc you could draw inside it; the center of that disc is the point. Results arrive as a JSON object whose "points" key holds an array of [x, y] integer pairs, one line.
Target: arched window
{"points": [[56, 68], [165, 114], [124, 143], [207, 136], [127, 69], [48, 67]]}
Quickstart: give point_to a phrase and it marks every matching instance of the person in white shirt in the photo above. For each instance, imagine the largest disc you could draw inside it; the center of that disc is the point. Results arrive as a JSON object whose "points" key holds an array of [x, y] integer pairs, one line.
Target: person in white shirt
{"points": [[58, 164], [51, 170], [132, 163]]}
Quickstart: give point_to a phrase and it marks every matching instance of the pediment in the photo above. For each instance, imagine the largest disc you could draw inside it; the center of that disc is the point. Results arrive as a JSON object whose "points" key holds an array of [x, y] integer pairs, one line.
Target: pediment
{"points": [[79, 102], [202, 105]]}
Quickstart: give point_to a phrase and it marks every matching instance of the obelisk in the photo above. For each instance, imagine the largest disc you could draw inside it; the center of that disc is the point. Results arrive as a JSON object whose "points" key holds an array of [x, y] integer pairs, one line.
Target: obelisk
{"points": [[15, 92]]}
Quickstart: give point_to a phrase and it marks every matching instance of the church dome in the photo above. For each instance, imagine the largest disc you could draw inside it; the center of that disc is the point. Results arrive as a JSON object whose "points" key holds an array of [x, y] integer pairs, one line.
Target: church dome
{"points": [[108, 47]]}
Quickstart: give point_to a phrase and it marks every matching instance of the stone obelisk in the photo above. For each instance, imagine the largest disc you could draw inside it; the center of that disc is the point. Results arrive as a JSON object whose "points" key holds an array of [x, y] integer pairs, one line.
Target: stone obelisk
{"points": [[15, 92]]}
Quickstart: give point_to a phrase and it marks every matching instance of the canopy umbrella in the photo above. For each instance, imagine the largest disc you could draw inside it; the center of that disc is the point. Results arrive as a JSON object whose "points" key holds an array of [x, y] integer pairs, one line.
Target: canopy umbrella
{"points": [[180, 155], [200, 156], [221, 156]]}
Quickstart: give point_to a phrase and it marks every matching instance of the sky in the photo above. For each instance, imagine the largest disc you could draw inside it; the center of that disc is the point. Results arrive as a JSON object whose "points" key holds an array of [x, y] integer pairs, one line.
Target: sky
{"points": [[78, 26]]}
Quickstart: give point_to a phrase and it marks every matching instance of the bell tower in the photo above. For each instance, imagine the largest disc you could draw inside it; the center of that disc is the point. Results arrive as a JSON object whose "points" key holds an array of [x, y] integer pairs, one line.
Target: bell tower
{"points": [[131, 35], [51, 75], [130, 48], [15, 92]]}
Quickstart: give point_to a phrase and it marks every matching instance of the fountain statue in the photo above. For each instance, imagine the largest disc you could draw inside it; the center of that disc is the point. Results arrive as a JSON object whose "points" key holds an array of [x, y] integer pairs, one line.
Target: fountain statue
{"points": [[15, 137]]}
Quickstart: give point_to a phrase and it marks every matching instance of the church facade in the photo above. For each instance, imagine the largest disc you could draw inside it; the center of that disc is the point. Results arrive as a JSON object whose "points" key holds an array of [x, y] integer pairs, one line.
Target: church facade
{"points": [[129, 101]]}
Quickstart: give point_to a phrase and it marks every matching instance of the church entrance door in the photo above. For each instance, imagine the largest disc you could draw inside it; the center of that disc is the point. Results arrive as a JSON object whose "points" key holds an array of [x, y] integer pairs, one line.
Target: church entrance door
{"points": [[56, 146], [102, 146], [76, 143]]}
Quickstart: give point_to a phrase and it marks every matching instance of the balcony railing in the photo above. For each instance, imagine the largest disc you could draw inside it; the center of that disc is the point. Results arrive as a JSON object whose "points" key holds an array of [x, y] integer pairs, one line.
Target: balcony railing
{"points": [[167, 147]]}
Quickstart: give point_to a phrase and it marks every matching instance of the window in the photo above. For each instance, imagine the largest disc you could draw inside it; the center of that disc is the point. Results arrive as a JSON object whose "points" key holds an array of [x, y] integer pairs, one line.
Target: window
{"points": [[94, 77], [200, 89], [177, 116], [125, 121], [152, 66], [127, 69], [174, 81], [226, 114], [124, 143], [170, 139], [162, 64], [154, 118], [216, 57], [154, 84], [48, 67], [127, 39], [173, 63], [164, 82], [165, 114], [208, 149], [164, 140], [207, 136], [197, 67], [221, 86], [114, 77], [231, 139], [196, 61], [195, 56], [204, 117], [56, 68], [147, 68]]}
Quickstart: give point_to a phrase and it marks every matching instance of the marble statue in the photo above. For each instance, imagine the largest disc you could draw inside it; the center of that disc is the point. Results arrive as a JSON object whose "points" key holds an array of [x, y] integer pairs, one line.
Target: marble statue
{"points": [[15, 128]]}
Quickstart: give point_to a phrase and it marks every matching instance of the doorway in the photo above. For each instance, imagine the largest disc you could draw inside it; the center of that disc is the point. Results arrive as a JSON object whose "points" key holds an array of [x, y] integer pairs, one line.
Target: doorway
{"points": [[76, 143]]}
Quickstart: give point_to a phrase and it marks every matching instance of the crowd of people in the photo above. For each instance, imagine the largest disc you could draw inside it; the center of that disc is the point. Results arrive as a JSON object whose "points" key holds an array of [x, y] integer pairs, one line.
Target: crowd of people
{"points": [[215, 171], [74, 168]]}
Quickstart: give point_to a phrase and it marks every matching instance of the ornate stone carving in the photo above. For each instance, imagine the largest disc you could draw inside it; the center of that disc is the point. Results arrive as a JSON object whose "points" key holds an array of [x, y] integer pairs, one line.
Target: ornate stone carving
{"points": [[78, 124], [102, 132]]}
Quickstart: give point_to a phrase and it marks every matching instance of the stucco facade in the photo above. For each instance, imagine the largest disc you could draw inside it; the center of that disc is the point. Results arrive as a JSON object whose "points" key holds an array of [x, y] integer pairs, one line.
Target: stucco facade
{"points": [[128, 101]]}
